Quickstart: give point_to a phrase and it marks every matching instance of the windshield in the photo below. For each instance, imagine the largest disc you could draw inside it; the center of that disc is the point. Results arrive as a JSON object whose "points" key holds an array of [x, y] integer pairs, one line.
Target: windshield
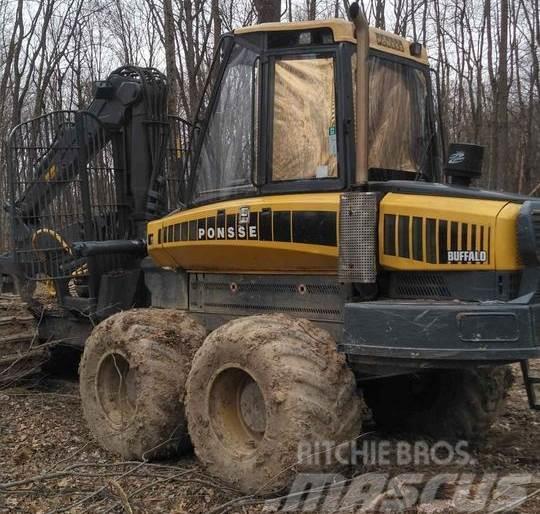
{"points": [[225, 161]]}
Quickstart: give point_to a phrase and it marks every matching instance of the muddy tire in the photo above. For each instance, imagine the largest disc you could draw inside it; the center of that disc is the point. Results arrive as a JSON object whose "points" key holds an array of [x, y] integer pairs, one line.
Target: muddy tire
{"points": [[260, 386], [132, 381], [447, 404], [21, 354]]}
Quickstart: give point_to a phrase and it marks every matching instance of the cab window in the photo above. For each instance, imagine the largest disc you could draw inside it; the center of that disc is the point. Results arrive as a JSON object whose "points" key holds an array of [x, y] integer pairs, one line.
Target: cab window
{"points": [[399, 133], [224, 167], [304, 138], [398, 125]]}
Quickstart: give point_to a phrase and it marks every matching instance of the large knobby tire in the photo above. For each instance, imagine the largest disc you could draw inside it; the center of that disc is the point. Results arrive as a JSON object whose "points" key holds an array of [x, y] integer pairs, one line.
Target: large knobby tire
{"points": [[444, 404], [132, 381], [261, 386]]}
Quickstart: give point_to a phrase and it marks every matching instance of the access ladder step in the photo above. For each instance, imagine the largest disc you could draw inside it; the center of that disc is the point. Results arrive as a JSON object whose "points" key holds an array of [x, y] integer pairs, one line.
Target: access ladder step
{"points": [[532, 385]]}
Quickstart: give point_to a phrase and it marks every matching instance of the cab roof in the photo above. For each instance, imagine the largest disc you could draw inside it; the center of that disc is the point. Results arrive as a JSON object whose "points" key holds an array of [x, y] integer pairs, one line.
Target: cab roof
{"points": [[343, 31]]}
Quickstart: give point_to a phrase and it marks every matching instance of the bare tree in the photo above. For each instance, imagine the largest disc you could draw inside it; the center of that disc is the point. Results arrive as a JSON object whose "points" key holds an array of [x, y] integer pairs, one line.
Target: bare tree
{"points": [[269, 10], [170, 56]]}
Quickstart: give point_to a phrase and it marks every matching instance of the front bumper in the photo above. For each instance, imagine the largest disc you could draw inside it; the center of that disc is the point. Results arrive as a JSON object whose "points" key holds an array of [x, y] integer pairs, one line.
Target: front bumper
{"points": [[417, 334]]}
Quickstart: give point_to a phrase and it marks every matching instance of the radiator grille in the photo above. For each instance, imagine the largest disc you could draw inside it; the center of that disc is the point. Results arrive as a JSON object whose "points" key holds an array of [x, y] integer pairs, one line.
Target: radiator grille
{"points": [[420, 285]]}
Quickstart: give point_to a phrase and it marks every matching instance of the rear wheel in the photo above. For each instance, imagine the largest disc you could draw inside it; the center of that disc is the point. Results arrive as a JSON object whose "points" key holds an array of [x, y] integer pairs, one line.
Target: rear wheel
{"points": [[261, 386], [132, 381], [443, 404]]}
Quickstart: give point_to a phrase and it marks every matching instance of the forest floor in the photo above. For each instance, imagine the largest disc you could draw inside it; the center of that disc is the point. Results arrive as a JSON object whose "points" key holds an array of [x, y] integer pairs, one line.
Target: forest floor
{"points": [[49, 462]]}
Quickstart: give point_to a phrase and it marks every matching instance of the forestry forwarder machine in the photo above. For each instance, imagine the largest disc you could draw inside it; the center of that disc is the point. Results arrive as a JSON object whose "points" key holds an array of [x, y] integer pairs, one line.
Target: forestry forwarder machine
{"points": [[239, 284]]}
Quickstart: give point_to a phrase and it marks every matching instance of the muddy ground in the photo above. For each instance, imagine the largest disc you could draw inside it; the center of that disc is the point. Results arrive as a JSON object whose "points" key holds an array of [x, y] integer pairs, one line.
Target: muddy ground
{"points": [[49, 462]]}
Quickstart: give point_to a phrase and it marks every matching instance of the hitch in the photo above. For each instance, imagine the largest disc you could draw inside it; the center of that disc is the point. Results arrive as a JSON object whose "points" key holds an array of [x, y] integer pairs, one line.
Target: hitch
{"points": [[532, 385]]}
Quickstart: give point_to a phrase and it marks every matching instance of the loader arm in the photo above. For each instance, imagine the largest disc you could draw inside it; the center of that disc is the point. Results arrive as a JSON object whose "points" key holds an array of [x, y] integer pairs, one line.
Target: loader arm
{"points": [[95, 176], [123, 106]]}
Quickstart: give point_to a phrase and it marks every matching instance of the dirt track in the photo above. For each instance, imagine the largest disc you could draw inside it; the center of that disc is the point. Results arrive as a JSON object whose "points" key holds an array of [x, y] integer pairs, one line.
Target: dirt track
{"points": [[53, 464]]}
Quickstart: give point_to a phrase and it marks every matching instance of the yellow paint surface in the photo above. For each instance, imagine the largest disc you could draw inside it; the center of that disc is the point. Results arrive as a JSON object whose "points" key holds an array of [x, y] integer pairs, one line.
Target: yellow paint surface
{"points": [[343, 30]]}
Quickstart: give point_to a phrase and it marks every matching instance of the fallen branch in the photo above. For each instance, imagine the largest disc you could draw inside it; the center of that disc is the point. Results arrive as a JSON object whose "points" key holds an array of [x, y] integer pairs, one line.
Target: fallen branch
{"points": [[124, 500]]}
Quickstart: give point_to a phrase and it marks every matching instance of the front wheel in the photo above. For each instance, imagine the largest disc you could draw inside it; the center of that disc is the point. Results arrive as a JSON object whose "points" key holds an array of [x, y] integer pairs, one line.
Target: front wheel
{"points": [[442, 404], [260, 387], [132, 381]]}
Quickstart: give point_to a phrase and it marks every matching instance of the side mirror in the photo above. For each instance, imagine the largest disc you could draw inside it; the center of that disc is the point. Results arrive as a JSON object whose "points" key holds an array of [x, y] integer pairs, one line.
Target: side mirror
{"points": [[464, 163]]}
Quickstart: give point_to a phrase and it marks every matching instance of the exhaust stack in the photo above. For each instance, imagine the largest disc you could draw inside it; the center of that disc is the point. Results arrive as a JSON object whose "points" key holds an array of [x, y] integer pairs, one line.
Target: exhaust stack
{"points": [[362, 97]]}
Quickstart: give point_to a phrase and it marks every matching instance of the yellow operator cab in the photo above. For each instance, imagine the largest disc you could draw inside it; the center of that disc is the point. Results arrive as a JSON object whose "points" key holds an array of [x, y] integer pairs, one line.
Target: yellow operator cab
{"points": [[279, 147]]}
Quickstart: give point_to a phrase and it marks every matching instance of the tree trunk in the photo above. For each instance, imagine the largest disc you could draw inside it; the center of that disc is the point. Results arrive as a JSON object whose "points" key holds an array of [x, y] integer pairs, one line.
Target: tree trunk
{"points": [[170, 56], [216, 18], [501, 160], [268, 10], [312, 9]]}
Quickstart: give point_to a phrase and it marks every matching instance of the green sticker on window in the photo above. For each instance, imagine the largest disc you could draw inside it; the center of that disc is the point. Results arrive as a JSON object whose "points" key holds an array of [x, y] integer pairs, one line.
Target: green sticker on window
{"points": [[332, 141]]}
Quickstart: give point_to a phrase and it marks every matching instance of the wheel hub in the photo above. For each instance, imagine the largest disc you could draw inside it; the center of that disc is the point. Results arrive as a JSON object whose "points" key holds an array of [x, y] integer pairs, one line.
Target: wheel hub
{"points": [[116, 388], [237, 410], [252, 408]]}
